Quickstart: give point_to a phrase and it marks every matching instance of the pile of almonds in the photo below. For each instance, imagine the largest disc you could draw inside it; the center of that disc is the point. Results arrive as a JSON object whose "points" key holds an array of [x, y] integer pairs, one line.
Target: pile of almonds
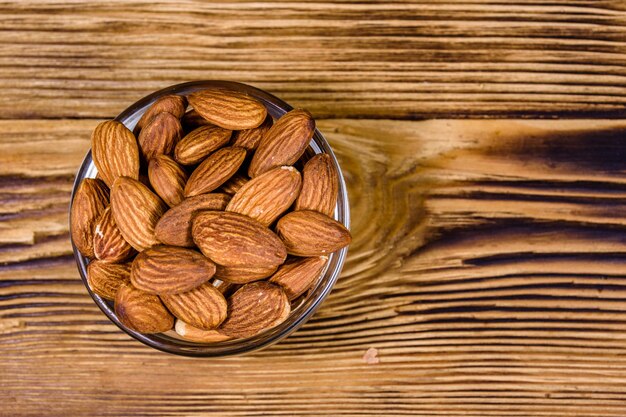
{"points": [[199, 221]]}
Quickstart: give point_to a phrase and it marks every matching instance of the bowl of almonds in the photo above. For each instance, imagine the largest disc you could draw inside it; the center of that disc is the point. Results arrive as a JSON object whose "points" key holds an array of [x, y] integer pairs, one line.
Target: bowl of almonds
{"points": [[209, 219]]}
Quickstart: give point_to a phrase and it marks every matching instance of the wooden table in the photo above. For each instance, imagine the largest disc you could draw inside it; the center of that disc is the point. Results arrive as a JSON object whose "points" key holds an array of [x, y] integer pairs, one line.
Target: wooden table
{"points": [[488, 269]]}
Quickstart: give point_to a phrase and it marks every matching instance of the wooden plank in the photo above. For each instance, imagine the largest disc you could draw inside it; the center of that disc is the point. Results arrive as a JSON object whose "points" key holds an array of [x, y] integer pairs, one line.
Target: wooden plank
{"points": [[487, 270], [404, 60]]}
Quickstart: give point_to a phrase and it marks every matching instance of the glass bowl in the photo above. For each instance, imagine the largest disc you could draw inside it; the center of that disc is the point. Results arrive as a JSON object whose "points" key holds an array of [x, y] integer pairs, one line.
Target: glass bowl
{"points": [[169, 342]]}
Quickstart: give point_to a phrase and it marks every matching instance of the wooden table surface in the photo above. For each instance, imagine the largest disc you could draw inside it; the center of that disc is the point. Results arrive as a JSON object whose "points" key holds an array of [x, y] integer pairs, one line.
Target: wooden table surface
{"points": [[488, 268]]}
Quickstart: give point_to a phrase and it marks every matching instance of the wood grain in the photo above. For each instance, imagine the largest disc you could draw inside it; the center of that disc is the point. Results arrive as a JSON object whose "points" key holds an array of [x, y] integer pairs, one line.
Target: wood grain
{"points": [[487, 270], [486, 277], [400, 60]]}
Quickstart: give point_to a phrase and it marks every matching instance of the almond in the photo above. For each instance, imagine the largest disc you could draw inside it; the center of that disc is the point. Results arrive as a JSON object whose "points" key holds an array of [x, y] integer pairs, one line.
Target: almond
{"points": [[108, 243], [309, 233], [136, 211], [199, 143], [203, 307], [250, 138], [160, 135], [232, 239], [267, 196], [231, 110], [242, 274], [298, 274], [142, 312], [167, 178], [320, 186], [90, 200], [194, 334], [105, 278], [253, 308], [114, 151], [215, 170], [226, 288], [173, 104], [234, 184], [174, 228], [170, 270], [284, 143], [192, 120]]}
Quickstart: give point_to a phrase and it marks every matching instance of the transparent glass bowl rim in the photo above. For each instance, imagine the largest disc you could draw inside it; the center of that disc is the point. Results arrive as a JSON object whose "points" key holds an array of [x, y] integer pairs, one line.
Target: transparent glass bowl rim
{"points": [[276, 108]]}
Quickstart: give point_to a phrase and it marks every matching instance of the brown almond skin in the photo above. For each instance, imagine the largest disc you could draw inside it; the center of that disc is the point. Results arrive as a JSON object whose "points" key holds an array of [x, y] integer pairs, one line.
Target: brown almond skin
{"points": [[136, 211], [250, 138], [203, 307], [168, 179], [320, 186], [194, 334], [199, 143], [309, 233], [242, 274], [284, 143], [105, 278], [174, 227], [232, 239], [173, 104], [114, 151], [234, 184], [226, 288], [253, 308], [228, 109], [215, 170], [298, 274], [141, 312], [108, 243], [267, 196], [170, 270], [192, 120], [159, 136], [90, 201]]}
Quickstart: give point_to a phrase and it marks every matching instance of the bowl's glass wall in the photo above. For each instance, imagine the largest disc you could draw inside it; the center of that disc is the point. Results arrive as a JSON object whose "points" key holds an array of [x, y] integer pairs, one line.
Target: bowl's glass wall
{"points": [[302, 312]]}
